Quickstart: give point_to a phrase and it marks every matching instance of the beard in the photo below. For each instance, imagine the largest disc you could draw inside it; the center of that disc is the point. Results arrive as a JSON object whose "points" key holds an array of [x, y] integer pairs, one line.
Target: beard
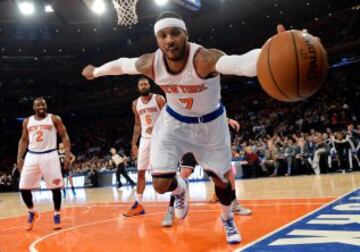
{"points": [[145, 92], [42, 113]]}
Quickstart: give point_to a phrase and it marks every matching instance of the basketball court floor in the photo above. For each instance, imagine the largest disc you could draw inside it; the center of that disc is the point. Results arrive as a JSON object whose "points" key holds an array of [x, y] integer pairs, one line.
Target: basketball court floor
{"points": [[303, 213]]}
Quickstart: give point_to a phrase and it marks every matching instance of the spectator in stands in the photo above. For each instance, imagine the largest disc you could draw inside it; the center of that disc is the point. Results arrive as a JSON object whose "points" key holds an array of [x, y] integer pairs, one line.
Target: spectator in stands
{"points": [[320, 149], [271, 159], [344, 148], [251, 162], [290, 151], [235, 153], [302, 153]]}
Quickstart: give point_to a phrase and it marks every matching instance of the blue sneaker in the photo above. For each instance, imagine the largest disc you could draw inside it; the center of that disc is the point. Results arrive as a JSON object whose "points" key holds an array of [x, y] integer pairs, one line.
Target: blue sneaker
{"points": [[232, 233], [135, 210], [33, 216], [57, 222]]}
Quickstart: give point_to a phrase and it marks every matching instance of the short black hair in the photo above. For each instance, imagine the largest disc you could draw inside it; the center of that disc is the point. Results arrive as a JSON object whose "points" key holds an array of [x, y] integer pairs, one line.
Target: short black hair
{"points": [[39, 98], [143, 79], [169, 14]]}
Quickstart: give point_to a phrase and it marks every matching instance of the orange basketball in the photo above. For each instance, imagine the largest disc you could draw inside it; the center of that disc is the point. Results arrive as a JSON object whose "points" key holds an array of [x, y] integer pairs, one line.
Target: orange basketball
{"points": [[292, 65]]}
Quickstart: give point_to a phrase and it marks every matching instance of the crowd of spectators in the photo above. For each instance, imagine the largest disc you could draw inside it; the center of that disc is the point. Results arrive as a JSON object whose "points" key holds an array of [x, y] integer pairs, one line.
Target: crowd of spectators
{"points": [[305, 153], [275, 138]]}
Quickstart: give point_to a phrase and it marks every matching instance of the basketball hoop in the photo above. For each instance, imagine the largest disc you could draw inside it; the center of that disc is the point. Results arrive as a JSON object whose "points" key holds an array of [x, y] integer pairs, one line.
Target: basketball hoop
{"points": [[126, 11]]}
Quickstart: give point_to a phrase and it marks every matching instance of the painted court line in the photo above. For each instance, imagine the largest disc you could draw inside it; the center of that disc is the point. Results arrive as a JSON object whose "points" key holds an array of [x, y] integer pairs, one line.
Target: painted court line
{"points": [[32, 247], [195, 204], [293, 222]]}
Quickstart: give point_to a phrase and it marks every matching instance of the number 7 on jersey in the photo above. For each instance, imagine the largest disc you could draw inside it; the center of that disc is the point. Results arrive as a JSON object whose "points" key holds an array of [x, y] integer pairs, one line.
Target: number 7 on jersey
{"points": [[188, 102]]}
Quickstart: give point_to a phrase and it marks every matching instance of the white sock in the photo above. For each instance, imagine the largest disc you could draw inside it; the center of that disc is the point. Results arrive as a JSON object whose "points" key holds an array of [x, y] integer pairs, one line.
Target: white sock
{"points": [[138, 197], [226, 212], [56, 213], [181, 186]]}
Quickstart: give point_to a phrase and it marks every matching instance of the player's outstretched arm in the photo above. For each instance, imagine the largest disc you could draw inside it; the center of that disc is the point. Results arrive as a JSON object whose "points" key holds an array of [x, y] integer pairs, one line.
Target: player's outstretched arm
{"points": [[121, 66], [212, 61], [23, 143]]}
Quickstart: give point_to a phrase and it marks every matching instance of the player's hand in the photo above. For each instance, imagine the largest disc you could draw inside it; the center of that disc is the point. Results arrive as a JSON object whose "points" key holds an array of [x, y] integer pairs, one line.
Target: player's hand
{"points": [[88, 72], [67, 161], [149, 130], [234, 124], [19, 164], [280, 28], [134, 150]]}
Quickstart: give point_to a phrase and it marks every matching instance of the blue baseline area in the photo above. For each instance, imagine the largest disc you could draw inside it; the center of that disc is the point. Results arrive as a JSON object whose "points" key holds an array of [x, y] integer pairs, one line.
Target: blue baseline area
{"points": [[338, 231]]}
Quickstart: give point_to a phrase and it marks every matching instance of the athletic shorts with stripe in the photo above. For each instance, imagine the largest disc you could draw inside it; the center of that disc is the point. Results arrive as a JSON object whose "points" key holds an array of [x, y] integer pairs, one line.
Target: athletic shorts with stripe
{"points": [[209, 142], [37, 166]]}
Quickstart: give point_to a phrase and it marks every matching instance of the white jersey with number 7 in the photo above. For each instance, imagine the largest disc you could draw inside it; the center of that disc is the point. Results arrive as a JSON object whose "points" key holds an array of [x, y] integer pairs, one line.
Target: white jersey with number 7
{"points": [[186, 92]]}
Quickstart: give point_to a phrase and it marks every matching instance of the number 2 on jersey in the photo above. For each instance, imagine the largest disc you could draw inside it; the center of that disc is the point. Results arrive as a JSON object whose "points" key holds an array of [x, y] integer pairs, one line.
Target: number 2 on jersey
{"points": [[39, 136], [188, 102]]}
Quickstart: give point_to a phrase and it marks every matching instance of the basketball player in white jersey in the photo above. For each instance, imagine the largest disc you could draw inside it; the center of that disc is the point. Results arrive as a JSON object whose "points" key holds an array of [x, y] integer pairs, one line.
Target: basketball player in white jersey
{"points": [[146, 110], [194, 120], [66, 173], [38, 139]]}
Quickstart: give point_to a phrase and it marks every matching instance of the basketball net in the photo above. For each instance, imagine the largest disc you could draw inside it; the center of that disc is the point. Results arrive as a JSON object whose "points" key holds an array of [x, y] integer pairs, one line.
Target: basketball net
{"points": [[126, 11]]}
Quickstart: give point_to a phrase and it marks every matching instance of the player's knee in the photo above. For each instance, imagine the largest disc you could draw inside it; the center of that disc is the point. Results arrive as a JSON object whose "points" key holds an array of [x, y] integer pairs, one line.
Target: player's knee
{"points": [[164, 183], [217, 181], [225, 194], [160, 185]]}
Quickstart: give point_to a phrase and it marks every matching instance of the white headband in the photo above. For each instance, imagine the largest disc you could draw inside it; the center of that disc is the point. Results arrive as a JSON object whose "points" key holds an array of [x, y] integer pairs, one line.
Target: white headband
{"points": [[169, 22]]}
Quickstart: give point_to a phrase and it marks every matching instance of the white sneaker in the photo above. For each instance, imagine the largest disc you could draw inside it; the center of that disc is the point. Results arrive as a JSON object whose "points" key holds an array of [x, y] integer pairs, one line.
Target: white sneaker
{"points": [[240, 210], [232, 233], [181, 203], [168, 219]]}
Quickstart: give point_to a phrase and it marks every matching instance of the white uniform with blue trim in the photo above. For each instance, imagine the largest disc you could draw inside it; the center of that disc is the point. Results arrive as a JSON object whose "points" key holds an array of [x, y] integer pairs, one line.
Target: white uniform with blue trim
{"points": [[190, 99], [148, 113], [42, 159]]}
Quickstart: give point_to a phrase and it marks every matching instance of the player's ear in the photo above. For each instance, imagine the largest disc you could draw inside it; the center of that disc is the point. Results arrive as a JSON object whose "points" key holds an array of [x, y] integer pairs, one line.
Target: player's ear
{"points": [[186, 35]]}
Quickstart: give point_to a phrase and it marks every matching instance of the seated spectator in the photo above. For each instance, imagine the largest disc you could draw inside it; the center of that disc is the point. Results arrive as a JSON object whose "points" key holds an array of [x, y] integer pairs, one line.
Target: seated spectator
{"points": [[271, 159], [344, 148], [290, 151], [320, 149], [302, 153], [252, 162]]}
